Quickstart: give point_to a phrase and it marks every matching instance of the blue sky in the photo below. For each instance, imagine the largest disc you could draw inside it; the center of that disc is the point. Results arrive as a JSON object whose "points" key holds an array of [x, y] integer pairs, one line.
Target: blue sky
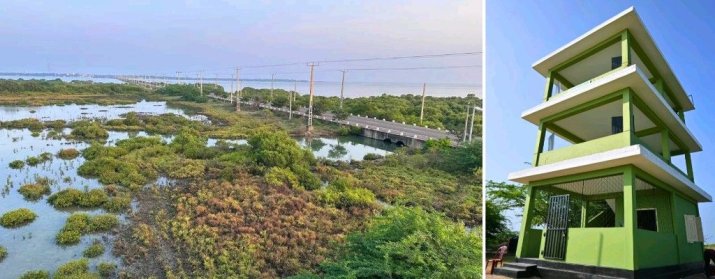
{"points": [[518, 33], [165, 36]]}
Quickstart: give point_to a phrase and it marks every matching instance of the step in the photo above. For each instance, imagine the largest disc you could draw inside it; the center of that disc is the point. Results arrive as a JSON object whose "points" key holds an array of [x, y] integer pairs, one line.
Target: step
{"points": [[512, 272], [523, 266]]}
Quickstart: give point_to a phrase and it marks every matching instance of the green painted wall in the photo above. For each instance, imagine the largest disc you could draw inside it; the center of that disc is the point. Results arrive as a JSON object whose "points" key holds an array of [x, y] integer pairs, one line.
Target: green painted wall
{"points": [[689, 252], [597, 247], [532, 243], [655, 249], [660, 200], [585, 148]]}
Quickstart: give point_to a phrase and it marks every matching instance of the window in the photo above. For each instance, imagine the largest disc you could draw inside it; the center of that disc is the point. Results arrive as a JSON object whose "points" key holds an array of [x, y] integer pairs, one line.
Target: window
{"points": [[647, 219], [693, 229], [615, 62], [616, 124]]}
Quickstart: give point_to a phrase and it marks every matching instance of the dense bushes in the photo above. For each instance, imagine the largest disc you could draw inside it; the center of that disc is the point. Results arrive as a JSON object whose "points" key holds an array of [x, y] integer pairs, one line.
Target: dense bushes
{"points": [[68, 154], [3, 253], [279, 153], [17, 164], [73, 87], [407, 243], [246, 229], [36, 274], [35, 191], [189, 92], [78, 224], [94, 250], [106, 269], [75, 269], [17, 218], [88, 130], [72, 197]]}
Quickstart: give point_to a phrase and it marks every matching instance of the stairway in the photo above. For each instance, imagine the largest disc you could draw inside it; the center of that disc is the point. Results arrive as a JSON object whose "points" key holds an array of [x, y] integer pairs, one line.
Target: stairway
{"points": [[517, 270]]}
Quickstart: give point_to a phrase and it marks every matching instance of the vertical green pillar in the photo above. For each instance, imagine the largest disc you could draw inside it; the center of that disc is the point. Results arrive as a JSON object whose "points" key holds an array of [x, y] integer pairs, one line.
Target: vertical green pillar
{"points": [[629, 218], [625, 49], [628, 115], [525, 222], [549, 86], [689, 166], [540, 138], [665, 144]]}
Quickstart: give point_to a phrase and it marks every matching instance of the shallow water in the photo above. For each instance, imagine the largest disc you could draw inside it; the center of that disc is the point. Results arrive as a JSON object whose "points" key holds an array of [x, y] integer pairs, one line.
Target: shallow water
{"points": [[33, 246]]}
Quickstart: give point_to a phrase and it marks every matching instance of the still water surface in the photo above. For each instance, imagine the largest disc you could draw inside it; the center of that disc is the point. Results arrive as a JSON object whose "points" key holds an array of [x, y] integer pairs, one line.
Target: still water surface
{"points": [[33, 246]]}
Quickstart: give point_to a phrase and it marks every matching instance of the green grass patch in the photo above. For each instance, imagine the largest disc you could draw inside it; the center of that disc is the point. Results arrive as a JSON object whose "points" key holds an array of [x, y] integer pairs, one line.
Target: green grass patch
{"points": [[75, 198], [36, 274], [79, 224], [17, 164], [17, 218], [3, 253], [35, 191], [68, 154], [106, 269], [94, 250], [75, 269]]}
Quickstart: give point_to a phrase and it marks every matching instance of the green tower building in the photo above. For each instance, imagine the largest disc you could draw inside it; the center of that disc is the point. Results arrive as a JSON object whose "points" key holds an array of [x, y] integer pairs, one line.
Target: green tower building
{"points": [[611, 190]]}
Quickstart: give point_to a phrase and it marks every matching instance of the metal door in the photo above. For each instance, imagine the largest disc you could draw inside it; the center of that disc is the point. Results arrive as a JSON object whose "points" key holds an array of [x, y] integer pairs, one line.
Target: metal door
{"points": [[557, 223]]}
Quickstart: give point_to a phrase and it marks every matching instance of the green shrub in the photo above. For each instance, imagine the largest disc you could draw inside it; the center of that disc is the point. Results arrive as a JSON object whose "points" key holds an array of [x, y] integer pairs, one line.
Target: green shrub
{"points": [[118, 204], [68, 237], [65, 198], [306, 178], [92, 198], [36, 274], [34, 191], [32, 161], [73, 197], [17, 164], [371, 157], [3, 253], [89, 130], [68, 154], [277, 176], [75, 269], [106, 269], [17, 218], [94, 250], [103, 222], [82, 223]]}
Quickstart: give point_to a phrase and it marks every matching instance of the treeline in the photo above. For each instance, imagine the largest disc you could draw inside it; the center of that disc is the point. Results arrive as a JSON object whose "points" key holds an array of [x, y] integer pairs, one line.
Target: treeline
{"points": [[192, 92], [440, 112], [72, 87]]}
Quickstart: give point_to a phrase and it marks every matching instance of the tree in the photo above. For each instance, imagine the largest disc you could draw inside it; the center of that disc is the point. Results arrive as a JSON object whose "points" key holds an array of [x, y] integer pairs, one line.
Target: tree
{"points": [[501, 197]]}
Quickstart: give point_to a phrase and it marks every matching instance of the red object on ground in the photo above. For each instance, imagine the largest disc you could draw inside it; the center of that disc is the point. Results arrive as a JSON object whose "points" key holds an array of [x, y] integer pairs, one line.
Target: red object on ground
{"points": [[498, 259]]}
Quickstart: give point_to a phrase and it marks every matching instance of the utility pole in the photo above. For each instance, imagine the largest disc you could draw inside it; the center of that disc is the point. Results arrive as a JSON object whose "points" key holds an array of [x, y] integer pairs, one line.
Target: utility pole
{"points": [[290, 100], [422, 110], [177, 77], [238, 89], [471, 127], [466, 122], [342, 89], [273, 76], [201, 82], [310, 101]]}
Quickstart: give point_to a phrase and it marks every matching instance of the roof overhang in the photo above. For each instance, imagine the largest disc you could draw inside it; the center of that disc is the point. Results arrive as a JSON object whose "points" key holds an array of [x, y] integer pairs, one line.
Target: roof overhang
{"points": [[627, 19], [629, 77], [635, 155]]}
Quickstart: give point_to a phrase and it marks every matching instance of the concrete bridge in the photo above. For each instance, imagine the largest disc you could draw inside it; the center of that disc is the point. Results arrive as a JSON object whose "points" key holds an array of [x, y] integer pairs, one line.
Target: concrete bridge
{"points": [[399, 133]]}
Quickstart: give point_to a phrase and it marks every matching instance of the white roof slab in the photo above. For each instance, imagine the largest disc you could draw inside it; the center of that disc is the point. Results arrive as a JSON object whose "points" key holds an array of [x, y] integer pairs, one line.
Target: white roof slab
{"points": [[635, 155], [627, 19], [629, 77]]}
